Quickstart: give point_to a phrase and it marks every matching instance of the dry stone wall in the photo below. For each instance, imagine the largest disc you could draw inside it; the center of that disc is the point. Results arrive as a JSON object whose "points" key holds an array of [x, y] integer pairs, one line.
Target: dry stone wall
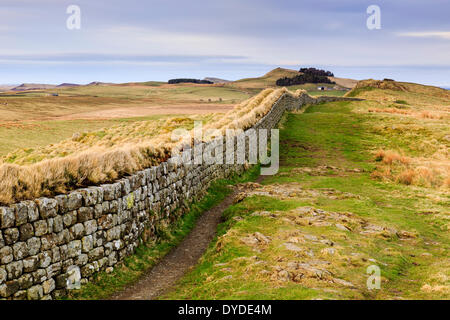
{"points": [[51, 245]]}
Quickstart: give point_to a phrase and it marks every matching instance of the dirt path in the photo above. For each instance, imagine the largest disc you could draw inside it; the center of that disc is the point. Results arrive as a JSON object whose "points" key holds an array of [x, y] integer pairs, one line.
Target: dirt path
{"points": [[161, 278]]}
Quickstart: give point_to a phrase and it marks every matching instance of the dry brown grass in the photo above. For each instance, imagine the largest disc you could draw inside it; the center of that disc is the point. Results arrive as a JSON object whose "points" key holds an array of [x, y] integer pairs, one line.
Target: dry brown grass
{"points": [[412, 171], [431, 115], [389, 110], [389, 157], [425, 114], [415, 119], [105, 155]]}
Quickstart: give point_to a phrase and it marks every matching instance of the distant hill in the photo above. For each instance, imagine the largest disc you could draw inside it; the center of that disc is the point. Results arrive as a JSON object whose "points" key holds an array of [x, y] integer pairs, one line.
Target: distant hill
{"points": [[33, 86], [270, 78], [266, 80], [65, 85], [97, 83], [343, 82], [369, 88], [217, 80], [7, 87]]}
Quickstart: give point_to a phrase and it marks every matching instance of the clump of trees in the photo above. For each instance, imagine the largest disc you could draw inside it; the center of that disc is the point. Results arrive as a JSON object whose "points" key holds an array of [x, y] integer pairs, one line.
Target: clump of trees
{"points": [[317, 72], [174, 81], [309, 75]]}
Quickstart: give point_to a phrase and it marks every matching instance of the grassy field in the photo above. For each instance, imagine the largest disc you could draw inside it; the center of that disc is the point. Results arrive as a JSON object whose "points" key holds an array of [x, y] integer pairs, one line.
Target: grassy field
{"points": [[32, 119], [38, 105], [102, 156], [312, 230], [49, 143], [26, 136]]}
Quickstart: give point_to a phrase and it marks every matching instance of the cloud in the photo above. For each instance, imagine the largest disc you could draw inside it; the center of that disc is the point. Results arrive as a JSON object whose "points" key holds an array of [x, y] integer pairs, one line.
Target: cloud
{"points": [[426, 34], [118, 59]]}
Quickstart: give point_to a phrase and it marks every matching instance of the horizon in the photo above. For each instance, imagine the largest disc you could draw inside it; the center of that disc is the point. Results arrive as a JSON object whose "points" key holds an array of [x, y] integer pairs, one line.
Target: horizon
{"points": [[156, 41], [255, 76]]}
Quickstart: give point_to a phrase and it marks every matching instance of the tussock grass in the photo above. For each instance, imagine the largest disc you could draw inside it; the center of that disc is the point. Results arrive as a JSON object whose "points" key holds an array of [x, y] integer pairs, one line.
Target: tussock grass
{"points": [[411, 171], [389, 157], [413, 120], [103, 156]]}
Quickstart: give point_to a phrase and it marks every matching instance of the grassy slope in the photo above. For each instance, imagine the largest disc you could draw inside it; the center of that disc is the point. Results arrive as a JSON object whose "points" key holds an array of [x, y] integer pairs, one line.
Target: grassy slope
{"points": [[339, 135], [254, 85], [268, 80], [104, 133], [29, 135], [30, 118], [148, 254]]}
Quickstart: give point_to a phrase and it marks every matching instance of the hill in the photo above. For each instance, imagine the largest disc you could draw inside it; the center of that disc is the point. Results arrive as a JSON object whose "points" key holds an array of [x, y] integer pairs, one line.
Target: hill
{"points": [[344, 82], [270, 78], [216, 80], [67, 85], [33, 86], [98, 83], [412, 96], [364, 86], [6, 87]]}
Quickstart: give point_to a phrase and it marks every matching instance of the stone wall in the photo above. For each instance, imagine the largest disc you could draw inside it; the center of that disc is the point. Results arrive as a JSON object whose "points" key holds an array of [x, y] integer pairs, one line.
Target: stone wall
{"points": [[51, 245]]}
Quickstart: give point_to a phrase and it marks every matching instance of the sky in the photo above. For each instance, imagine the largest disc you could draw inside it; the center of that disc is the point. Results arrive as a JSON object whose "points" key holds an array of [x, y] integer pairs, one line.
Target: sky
{"points": [[143, 40]]}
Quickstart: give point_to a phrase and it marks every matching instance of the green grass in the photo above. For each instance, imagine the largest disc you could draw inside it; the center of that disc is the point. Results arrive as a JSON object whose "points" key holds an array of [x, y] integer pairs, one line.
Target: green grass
{"points": [[358, 91], [154, 90], [329, 134], [148, 254], [331, 93]]}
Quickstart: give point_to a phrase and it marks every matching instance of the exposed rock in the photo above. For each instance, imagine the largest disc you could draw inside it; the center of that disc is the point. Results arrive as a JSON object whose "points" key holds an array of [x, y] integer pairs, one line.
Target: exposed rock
{"points": [[261, 238], [292, 247], [342, 227], [343, 283]]}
